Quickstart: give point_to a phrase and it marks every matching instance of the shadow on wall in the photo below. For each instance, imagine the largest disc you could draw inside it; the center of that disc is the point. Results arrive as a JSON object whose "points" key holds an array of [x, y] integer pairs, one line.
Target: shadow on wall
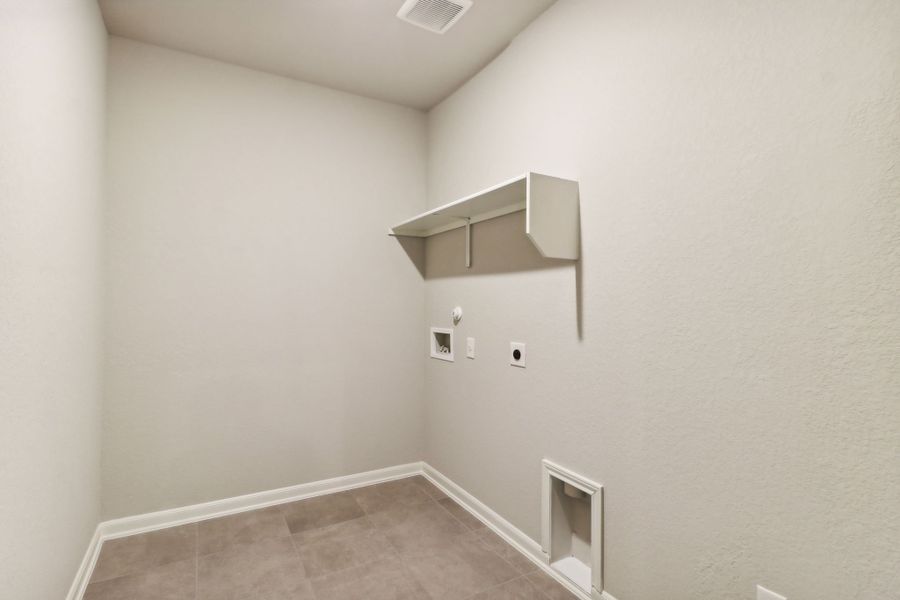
{"points": [[498, 246]]}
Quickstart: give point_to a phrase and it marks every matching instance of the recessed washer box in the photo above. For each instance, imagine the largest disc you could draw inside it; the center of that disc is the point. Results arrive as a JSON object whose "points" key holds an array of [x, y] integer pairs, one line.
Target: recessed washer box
{"points": [[441, 340], [572, 527]]}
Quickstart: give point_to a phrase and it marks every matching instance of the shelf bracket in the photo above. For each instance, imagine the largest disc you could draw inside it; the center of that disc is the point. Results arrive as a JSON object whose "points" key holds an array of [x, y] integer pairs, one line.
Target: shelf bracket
{"points": [[468, 243]]}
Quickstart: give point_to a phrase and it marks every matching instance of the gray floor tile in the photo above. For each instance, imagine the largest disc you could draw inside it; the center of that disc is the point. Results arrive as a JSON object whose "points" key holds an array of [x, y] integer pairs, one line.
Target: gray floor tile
{"points": [[321, 511], [413, 529], [428, 487], [549, 586], [172, 581], [216, 535], [508, 553], [342, 549], [461, 514], [462, 568], [391, 494], [517, 589], [269, 569], [410, 542], [138, 553], [331, 532], [385, 579]]}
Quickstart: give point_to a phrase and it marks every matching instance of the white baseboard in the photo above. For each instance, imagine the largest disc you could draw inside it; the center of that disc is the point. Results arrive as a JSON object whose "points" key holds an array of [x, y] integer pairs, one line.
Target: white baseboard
{"points": [[117, 528], [86, 568]]}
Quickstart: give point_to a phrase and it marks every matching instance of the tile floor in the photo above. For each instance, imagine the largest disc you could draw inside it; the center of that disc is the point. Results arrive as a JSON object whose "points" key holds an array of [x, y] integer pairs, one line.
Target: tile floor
{"points": [[398, 540]]}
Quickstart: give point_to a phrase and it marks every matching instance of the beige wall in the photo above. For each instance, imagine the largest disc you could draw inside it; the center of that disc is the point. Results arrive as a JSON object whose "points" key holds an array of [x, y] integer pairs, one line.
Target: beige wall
{"points": [[726, 358], [52, 69], [263, 330]]}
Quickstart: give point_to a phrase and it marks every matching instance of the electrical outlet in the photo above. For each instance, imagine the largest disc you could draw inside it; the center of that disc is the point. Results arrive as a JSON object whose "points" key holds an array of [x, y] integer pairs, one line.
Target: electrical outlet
{"points": [[764, 594], [470, 347], [517, 354]]}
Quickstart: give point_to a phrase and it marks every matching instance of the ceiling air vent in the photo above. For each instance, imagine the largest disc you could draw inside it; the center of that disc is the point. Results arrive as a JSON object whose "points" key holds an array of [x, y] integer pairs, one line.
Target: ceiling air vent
{"points": [[434, 15]]}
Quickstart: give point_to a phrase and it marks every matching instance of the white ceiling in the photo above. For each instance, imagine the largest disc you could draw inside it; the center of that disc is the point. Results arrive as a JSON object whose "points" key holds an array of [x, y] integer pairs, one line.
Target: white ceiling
{"points": [[355, 45]]}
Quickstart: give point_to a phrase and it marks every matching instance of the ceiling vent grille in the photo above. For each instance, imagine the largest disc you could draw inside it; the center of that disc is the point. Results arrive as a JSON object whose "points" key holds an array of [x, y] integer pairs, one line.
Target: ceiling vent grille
{"points": [[434, 15]]}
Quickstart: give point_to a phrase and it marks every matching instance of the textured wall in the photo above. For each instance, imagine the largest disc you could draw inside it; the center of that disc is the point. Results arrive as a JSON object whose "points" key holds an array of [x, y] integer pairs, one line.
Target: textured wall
{"points": [[726, 357], [52, 69], [263, 330]]}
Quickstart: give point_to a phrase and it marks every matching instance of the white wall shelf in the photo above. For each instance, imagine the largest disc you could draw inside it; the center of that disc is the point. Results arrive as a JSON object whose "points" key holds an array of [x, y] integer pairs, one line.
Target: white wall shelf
{"points": [[550, 205]]}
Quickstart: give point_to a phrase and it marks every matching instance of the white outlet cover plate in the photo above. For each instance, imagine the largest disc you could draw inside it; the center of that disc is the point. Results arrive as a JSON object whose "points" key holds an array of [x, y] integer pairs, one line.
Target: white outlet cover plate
{"points": [[520, 346], [470, 347], [764, 594]]}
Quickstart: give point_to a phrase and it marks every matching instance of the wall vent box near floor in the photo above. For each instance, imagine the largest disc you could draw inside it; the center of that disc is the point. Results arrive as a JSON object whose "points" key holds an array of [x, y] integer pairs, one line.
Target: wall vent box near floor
{"points": [[441, 340], [571, 527]]}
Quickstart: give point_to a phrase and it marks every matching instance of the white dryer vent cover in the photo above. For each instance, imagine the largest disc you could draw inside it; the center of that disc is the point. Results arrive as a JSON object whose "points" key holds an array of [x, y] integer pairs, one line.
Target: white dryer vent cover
{"points": [[434, 15]]}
